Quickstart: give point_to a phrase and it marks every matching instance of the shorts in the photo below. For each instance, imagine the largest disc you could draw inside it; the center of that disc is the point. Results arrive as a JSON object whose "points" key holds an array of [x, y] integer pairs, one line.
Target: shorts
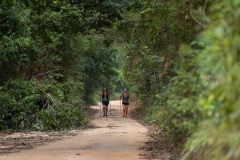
{"points": [[105, 103], [125, 104]]}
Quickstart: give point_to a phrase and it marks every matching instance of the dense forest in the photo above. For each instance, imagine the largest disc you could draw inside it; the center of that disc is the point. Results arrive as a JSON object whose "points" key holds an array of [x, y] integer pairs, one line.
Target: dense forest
{"points": [[179, 59]]}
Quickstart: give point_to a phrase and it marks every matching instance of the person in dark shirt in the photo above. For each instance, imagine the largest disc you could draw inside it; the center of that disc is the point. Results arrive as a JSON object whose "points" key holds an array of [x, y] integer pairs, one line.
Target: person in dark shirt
{"points": [[105, 97]]}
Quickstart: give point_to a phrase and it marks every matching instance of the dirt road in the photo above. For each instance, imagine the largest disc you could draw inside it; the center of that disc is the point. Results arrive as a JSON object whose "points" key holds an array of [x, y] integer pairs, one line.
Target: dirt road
{"points": [[112, 138]]}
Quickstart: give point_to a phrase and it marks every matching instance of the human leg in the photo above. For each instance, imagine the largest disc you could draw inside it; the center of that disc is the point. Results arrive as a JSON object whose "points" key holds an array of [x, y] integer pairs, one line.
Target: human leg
{"points": [[104, 112], [126, 110], [106, 109], [123, 110]]}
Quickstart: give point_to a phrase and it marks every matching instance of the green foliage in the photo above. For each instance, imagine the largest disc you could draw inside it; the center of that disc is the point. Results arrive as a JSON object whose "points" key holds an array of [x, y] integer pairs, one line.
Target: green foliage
{"points": [[97, 63], [183, 94], [152, 39], [18, 106], [182, 61], [53, 60], [101, 14], [15, 38], [64, 117], [40, 106], [219, 66]]}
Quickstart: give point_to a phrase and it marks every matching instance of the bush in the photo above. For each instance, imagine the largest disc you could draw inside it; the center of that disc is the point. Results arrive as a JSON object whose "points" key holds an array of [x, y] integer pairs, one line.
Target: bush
{"points": [[217, 136], [40, 106], [65, 117], [18, 99]]}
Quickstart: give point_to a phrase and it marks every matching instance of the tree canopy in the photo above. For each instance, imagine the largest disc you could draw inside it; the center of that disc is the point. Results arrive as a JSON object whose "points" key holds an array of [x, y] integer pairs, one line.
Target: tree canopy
{"points": [[181, 62], [179, 59]]}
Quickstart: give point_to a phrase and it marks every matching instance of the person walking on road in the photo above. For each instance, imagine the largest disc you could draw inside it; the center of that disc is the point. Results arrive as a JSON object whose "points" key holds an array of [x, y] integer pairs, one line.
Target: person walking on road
{"points": [[125, 101], [105, 97]]}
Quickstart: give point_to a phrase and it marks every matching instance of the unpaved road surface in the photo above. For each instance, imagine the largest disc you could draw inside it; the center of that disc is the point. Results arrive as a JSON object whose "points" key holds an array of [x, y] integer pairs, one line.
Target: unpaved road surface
{"points": [[111, 138]]}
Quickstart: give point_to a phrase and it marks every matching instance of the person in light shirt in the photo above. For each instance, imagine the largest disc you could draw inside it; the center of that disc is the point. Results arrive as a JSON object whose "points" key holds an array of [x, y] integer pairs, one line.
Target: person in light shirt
{"points": [[125, 102]]}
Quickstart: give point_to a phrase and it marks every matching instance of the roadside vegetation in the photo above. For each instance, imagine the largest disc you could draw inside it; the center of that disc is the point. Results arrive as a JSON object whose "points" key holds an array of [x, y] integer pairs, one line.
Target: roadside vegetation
{"points": [[54, 58], [179, 59], [182, 62]]}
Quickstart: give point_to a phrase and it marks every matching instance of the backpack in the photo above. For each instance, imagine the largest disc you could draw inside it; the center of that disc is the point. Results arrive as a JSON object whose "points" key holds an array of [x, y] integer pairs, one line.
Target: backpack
{"points": [[108, 94]]}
